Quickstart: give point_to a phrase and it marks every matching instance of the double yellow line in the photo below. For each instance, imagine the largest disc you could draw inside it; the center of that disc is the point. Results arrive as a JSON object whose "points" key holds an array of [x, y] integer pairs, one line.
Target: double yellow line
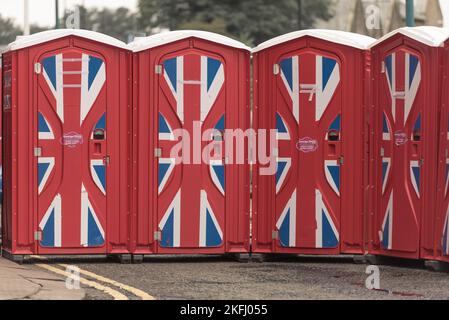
{"points": [[97, 282]]}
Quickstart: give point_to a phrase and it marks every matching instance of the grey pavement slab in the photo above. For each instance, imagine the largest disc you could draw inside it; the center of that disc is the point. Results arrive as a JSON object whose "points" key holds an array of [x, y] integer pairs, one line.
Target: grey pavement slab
{"points": [[19, 282]]}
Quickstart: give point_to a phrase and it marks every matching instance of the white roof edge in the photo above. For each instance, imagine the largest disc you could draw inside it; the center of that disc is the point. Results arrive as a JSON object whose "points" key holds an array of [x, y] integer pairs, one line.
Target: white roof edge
{"points": [[144, 43], [431, 36], [340, 37], [49, 35]]}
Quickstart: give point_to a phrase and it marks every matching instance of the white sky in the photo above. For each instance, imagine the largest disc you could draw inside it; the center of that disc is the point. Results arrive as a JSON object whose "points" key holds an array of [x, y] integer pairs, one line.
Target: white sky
{"points": [[42, 12]]}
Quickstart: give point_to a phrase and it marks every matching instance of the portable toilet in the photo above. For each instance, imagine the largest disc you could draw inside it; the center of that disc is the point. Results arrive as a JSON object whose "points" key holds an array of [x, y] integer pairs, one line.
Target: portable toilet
{"points": [[311, 87], [190, 89], [406, 72], [67, 119]]}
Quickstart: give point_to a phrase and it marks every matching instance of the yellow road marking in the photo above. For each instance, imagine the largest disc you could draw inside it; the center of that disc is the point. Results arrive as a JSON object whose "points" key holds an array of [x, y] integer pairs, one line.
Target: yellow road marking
{"points": [[137, 292], [114, 293], [38, 257]]}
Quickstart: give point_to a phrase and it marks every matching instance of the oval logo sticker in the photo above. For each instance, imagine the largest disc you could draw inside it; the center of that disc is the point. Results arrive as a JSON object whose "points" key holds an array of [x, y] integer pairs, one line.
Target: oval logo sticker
{"points": [[400, 138], [307, 145], [71, 139]]}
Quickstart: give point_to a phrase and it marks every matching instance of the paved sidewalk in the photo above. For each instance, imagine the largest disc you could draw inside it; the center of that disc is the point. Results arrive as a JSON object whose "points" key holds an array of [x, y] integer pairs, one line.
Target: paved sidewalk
{"points": [[30, 282]]}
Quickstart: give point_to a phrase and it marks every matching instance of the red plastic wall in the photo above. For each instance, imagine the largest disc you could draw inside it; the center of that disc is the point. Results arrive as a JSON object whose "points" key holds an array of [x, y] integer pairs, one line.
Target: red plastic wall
{"points": [[7, 98], [440, 223]]}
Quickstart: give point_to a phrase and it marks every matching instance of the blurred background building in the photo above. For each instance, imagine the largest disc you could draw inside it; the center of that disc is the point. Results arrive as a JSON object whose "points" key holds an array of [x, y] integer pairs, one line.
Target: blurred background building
{"points": [[352, 15]]}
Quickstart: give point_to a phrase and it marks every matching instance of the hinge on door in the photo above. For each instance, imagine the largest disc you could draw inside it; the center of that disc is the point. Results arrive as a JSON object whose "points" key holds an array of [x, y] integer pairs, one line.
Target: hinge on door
{"points": [[38, 152], [158, 69], [341, 160], [106, 160], [157, 236], [157, 152], [37, 235], [37, 68], [276, 69], [274, 234], [383, 67], [421, 162], [382, 152]]}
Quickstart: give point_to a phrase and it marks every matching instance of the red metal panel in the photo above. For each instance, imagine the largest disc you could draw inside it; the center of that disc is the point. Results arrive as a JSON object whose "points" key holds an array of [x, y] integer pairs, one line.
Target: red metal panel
{"points": [[70, 161], [313, 204], [405, 92], [197, 206], [440, 226]]}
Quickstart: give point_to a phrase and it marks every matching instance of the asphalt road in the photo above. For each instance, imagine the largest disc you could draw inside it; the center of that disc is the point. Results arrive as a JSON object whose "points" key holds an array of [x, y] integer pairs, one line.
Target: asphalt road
{"points": [[193, 277]]}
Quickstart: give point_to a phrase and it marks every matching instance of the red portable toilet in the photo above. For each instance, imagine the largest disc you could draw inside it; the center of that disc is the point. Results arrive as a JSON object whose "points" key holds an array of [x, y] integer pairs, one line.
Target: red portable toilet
{"points": [[190, 82], [67, 116], [311, 87], [406, 71]]}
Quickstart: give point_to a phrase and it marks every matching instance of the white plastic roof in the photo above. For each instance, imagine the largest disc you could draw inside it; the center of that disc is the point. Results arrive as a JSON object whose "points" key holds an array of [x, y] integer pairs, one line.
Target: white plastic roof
{"points": [[144, 43], [340, 37], [45, 36], [431, 36]]}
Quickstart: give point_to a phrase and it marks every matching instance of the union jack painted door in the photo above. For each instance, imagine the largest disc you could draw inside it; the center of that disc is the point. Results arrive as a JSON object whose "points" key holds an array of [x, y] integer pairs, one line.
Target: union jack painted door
{"points": [[72, 157], [191, 194], [400, 165], [309, 160]]}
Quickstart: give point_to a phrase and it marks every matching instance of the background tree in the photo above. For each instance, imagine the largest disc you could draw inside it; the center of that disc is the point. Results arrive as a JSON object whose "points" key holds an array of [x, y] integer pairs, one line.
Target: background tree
{"points": [[8, 30], [251, 21], [34, 28], [119, 23]]}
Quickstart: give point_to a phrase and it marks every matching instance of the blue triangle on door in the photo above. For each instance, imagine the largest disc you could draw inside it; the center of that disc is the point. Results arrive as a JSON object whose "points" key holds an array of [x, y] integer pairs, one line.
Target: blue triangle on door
{"points": [[167, 231], [330, 240], [94, 236], [213, 238], [284, 230], [48, 232]]}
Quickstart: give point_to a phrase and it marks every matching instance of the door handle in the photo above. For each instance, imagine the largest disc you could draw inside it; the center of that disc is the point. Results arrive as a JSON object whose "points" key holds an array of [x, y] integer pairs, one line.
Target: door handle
{"points": [[106, 160], [97, 147]]}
